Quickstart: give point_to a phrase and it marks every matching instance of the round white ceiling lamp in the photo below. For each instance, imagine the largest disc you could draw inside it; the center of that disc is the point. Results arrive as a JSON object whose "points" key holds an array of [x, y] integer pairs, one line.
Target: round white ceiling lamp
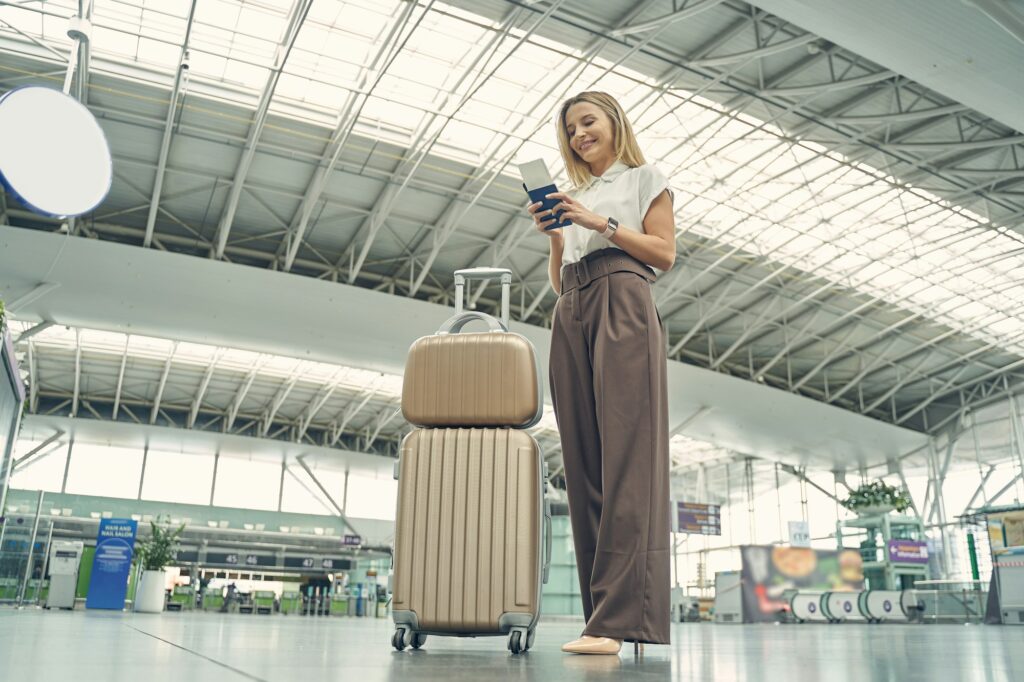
{"points": [[54, 156]]}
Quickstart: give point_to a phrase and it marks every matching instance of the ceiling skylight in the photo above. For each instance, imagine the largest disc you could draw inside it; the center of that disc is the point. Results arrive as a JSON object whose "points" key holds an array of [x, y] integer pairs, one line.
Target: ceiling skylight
{"points": [[739, 180]]}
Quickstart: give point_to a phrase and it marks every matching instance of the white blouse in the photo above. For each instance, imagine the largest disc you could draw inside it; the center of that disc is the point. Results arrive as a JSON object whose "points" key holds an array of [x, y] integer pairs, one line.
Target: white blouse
{"points": [[622, 193]]}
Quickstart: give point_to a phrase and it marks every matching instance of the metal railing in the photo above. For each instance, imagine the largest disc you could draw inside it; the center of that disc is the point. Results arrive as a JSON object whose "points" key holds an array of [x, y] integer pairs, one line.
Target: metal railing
{"points": [[24, 548], [952, 601]]}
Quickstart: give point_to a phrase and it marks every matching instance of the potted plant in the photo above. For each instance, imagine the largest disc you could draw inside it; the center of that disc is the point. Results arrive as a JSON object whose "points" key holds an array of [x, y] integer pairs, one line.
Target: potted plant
{"points": [[877, 498], [155, 552]]}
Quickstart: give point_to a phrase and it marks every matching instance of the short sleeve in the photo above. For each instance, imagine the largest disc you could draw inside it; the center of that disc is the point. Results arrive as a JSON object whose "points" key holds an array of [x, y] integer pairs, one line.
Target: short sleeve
{"points": [[651, 183]]}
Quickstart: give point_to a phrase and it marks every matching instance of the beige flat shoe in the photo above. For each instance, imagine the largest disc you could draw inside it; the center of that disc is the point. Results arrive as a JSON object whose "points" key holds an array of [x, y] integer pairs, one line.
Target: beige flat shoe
{"points": [[593, 645]]}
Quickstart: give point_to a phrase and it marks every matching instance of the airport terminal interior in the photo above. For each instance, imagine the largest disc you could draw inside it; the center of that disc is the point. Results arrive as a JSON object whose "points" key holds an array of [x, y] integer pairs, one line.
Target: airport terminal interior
{"points": [[243, 243]]}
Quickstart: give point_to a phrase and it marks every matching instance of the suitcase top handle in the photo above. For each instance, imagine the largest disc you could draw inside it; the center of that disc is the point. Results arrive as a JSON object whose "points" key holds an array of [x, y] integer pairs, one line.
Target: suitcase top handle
{"points": [[455, 323]]}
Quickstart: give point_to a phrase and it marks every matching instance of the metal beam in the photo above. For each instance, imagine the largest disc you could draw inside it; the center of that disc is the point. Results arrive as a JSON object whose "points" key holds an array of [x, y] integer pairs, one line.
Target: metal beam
{"points": [[37, 292], [390, 48], [979, 490], [120, 377], [204, 383], [341, 512], [757, 53], [305, 486], [386, 415], [351, 410], [165, 144], [243, 390], [163, 384], [278, 400], [901, 117], [325, 393], [26, 459], [790, 469], [1004, 489], [576, 68], [451, 218], [665, 20], [828, 86], [32, 331], [297, 16], [949, 387]]}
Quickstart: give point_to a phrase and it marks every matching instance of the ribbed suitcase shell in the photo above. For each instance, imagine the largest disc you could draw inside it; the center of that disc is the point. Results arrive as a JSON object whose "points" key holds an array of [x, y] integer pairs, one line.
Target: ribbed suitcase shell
{"points": [[471, 379], [468, 529]]}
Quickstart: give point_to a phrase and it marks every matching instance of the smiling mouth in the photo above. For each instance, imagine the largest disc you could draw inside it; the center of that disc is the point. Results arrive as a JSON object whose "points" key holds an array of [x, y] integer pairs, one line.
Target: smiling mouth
{"points": [[586, 144]]}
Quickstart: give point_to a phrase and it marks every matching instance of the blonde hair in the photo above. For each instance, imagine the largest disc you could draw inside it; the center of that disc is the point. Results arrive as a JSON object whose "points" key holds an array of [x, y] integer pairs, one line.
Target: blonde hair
{"points": [[626, 148]]}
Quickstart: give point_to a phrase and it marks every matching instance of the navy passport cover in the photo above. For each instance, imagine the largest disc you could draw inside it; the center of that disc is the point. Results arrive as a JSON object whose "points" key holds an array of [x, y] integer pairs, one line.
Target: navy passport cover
{"points": [[547, 204]]}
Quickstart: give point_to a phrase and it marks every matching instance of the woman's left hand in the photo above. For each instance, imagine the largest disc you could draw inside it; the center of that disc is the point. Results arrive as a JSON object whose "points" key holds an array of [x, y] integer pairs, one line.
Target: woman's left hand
{"points": [[577, 212]]}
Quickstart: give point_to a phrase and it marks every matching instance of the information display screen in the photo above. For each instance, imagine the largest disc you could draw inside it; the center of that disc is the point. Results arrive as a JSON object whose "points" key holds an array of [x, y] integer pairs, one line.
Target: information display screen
{"points": [[699, 519]]}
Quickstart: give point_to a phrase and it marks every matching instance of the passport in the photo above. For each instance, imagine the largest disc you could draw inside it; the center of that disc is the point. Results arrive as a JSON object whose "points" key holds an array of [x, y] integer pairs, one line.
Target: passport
{"points": [[538, 184]]}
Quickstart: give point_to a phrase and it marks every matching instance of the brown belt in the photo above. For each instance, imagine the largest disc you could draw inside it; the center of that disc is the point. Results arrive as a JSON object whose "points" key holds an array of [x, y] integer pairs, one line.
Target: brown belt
{"points": [[599, 264]]}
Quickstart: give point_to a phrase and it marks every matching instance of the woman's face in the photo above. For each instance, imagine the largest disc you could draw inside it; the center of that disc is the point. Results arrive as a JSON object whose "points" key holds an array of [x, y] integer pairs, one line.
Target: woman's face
{"points": [[590, 132]]}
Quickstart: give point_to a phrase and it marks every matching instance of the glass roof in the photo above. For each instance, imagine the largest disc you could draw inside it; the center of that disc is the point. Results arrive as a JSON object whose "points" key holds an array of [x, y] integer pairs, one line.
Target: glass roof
{"points": [[738, 179]]}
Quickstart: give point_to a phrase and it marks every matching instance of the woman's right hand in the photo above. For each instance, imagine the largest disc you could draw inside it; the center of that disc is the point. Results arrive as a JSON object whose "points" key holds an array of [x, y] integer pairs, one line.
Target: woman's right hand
{"points": [[543, 218]]}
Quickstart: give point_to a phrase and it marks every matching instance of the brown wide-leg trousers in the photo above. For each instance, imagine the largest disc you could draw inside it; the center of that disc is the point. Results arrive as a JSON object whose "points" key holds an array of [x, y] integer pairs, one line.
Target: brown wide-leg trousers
{"points": [[609, 390]]}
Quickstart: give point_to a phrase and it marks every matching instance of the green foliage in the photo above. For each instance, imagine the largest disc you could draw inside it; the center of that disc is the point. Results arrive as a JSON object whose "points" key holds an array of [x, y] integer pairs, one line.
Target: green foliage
{"points": [[877, 494], [157, 551], [3, 314]]}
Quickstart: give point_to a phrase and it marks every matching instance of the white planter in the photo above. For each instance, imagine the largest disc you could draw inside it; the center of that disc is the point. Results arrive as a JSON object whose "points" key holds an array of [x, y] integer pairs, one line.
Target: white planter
{"points": [[149, 598], [875, 510]]}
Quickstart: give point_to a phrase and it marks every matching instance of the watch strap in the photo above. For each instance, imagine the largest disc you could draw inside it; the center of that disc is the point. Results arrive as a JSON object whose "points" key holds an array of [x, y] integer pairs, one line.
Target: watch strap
{"points": [[610, 228]]}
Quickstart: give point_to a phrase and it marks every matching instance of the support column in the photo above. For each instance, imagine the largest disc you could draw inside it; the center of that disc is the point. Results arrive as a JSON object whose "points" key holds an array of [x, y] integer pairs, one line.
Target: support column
{"points": [[344, 496], [804, 512], [7, 468], [977, 458], [938, 509], [728, 502], [67, 465], [213, 481], [280, 487], [142, 474], [778, 503], [675, 559], [1015, 433], [748, 474], [838, 478], [31, 548]]}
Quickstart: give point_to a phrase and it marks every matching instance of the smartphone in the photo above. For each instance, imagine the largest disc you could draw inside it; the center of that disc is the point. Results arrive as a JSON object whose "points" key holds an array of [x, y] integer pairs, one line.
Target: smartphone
{"points": [[538, 184]]}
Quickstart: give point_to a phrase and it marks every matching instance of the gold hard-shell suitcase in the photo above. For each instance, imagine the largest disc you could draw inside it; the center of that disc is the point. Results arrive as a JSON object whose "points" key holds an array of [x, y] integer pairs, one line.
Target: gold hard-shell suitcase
{"points": [[472, 532]]}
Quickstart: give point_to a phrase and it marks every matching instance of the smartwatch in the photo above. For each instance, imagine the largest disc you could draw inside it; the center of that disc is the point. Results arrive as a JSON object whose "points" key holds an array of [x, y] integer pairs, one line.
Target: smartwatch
{"points": [[610, 228]]}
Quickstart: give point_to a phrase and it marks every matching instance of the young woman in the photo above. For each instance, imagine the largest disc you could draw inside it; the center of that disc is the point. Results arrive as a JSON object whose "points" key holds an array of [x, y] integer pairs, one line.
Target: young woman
{"points": [[608, 372]]}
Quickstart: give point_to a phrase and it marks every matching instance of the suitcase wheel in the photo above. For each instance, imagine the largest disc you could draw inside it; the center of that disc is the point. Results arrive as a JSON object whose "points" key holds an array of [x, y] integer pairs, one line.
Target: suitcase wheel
{"points": [[398, 639], [418, 639], [515, 642], [519, 640]]}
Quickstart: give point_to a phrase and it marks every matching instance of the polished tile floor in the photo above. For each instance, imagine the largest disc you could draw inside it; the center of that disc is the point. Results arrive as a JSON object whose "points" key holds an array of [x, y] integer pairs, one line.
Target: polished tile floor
{"points": [[197, 647]]}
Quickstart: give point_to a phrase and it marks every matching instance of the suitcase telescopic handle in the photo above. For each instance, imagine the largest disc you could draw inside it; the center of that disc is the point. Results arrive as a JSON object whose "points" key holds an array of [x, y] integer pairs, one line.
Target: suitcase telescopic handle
{"points": [[504, 274], [547, 541]]}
